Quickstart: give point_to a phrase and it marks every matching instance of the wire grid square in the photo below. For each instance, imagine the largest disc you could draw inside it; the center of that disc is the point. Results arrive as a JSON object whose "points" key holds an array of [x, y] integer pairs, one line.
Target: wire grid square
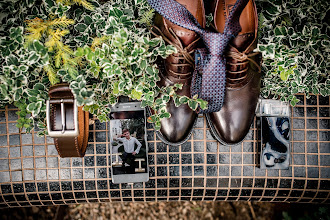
{"points": [[31, 173]]}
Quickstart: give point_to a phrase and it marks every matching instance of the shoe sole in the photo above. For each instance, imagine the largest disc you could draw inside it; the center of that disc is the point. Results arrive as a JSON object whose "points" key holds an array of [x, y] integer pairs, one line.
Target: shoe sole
{"points": [[216, 136]]}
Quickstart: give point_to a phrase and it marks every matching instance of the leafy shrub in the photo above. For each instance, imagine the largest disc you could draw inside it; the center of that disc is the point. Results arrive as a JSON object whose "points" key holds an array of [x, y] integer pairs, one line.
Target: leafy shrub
{"points": [[294, 40], [103, 50]]}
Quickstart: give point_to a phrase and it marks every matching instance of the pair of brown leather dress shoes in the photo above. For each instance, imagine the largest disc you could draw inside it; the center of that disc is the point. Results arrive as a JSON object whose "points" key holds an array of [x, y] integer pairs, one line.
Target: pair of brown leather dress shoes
{"points": [[231, 124]]}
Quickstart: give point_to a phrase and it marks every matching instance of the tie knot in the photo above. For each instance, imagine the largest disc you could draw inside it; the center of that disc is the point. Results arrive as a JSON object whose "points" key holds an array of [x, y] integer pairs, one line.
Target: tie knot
{"points": [[215, 42]]}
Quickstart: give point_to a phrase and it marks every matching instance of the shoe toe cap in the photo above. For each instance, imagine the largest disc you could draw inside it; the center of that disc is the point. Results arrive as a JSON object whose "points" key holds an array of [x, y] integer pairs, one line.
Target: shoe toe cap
{"points": [[174, 134], [233, 137], [229, 130], [173, 137], [177, 129]]}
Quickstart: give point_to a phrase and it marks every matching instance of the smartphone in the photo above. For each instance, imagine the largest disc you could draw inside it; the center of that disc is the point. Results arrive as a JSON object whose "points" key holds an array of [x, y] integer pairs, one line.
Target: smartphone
{"points": [[128, 143], [275, 134]]}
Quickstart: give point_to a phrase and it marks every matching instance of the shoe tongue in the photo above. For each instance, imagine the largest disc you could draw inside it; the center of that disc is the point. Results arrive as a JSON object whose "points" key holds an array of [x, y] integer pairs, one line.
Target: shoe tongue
{"points": [[243, 40]]}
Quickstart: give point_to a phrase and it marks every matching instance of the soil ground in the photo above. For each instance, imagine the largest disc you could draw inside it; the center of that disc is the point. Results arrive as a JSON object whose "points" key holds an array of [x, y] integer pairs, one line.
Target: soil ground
{"points": [[172, 210]]}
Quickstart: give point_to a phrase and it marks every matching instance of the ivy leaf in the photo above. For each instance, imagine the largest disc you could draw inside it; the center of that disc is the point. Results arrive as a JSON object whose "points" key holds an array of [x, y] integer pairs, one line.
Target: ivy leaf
{"points": [[90, 56], [324, 92], [315, 31], [15, 32], [153, 118], [143, 64], [136, 94], [150, 70], [88, 20], [178, 85], [170, 49], [154, 42], [81, 27], [123, 33], [79, 52], [165, 115], [315, 90], [33, 58], [280, 31], [176, 101], [183, 99], [193, 104], [121, 86], [39, 86], [202, 103], [34, 108], [158, 101], [157, 125], [23, 68], [273, 10], [116, 12], [32, 99], [144, 104], [166, 98], [294, 101], [149, 120], [115, 89], [18, 94], [103, 118], [12, 60]]}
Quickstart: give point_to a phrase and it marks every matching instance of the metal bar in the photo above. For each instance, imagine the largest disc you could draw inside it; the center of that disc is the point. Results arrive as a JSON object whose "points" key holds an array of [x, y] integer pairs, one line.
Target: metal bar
{"points": [[63, 116]]}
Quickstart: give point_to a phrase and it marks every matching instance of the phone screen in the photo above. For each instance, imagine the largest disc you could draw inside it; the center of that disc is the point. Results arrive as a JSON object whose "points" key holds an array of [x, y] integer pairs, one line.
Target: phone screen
{"points": [[275, 140], [128, 146]]}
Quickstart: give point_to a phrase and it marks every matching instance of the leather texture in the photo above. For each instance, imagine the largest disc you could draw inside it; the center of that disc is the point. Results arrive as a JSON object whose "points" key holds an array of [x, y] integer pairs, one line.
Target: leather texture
{"points": [[178, 68], [68, 146], [231, 124]]}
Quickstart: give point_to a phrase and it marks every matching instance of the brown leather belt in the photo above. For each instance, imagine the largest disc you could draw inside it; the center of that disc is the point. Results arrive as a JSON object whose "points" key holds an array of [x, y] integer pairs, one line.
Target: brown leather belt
{"points": [[67, 123]]}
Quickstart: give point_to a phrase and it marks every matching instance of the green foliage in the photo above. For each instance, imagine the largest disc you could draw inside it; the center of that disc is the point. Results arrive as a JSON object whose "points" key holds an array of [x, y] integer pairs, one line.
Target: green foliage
{"points": [[119, 54], [294, 40], [27, 57], [102, 50], [51, 31], [23, 121], [146, 18], [21, 74], [83, 3]]}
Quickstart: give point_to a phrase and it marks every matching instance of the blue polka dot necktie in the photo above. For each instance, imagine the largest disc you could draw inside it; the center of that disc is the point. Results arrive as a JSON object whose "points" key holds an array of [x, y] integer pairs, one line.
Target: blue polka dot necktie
{"points": [[209, 77]]}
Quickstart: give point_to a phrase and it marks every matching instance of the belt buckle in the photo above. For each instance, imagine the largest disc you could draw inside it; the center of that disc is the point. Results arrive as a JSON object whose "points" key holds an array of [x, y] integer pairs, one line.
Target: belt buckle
{"points": [[63, 132]]}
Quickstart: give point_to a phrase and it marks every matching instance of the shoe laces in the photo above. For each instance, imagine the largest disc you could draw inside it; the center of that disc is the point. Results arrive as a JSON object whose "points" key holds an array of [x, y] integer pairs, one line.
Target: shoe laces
{"points": [[184, 54], [239, 60]]}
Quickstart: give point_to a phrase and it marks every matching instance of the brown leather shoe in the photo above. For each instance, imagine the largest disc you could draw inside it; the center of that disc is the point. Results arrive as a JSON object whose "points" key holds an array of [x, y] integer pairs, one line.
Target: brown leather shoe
{"points": [[178, 68], [231, 124]]}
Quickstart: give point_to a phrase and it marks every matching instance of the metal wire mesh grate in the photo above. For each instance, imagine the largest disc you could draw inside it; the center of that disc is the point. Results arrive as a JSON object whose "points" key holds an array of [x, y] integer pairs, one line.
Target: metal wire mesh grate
{"points": [[31, 173]]}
